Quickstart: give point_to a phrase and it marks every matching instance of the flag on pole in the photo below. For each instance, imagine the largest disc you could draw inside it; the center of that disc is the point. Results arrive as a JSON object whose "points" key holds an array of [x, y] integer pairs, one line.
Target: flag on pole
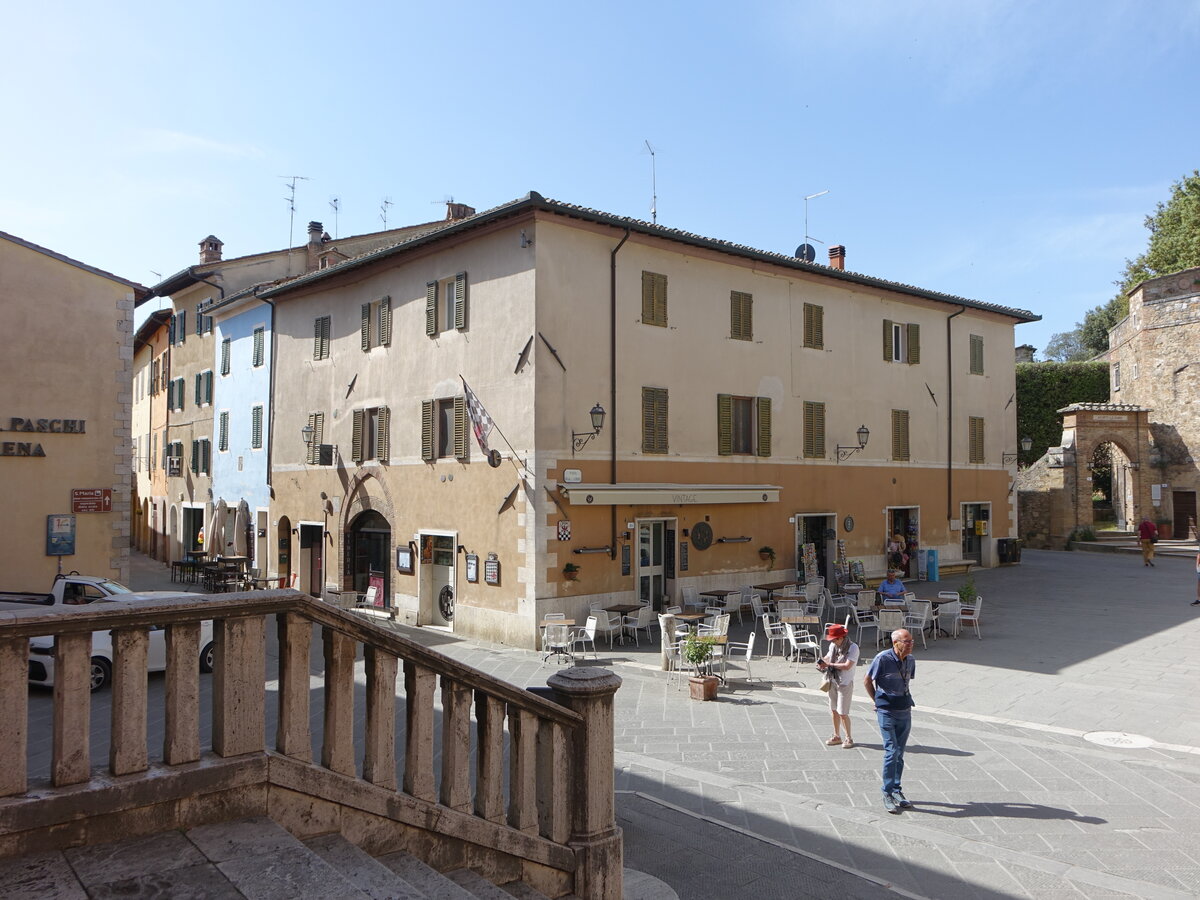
{"points": [[481, 422]]}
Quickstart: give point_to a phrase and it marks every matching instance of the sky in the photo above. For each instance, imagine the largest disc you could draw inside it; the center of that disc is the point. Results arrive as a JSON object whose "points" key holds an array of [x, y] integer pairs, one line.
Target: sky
{"points": [[1001, 150]]}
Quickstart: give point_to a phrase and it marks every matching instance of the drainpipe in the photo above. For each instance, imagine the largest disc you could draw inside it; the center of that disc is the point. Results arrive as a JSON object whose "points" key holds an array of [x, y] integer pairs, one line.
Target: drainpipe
{"points": [[950, 419], [612, 388], [271, 394]]}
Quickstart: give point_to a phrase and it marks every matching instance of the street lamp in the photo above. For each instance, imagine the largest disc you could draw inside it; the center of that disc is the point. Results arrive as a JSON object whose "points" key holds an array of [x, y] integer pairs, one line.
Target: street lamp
{"points": [[844, 453], [306, 435], [579, 438], [1009, 458]]}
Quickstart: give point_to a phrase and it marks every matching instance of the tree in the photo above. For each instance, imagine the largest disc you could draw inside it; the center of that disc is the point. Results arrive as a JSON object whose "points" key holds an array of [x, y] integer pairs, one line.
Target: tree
{"points": [[1067, 346], [1174, 236]]}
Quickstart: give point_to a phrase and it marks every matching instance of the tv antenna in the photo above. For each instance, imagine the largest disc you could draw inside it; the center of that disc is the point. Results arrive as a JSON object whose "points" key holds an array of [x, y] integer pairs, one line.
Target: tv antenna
{"points": [[653, 185], [291, 202], [806, 251], [335, 203], [383, 210]]}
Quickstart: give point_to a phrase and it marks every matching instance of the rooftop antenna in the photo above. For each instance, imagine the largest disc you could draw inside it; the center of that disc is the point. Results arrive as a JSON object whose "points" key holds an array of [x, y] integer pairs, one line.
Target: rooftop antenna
{"points": [[383, 210], [807, 238], [291, 202], [653, 185], [335, 203]]}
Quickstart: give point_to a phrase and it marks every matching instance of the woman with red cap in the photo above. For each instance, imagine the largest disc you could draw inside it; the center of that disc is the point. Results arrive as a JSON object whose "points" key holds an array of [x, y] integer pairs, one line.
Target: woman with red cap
{"points": [[838, 665]]}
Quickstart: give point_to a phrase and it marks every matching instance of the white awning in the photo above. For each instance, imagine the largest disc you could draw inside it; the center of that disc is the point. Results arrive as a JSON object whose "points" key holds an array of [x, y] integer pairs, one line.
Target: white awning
{"points": [[667, 494]]}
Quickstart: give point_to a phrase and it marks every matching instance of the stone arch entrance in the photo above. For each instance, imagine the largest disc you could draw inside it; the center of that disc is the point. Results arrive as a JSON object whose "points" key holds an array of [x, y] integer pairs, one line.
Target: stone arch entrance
{"points": [[1089, 426], [367, 544]]}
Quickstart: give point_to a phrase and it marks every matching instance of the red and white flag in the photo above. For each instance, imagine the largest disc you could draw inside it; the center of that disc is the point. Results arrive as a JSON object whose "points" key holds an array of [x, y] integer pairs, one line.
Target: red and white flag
{"points": [[481, 422]]}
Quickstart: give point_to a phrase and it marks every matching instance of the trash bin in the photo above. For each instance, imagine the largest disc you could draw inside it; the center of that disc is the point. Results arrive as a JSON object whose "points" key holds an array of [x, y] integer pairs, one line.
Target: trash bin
{"points": [[1004, 550], [932, 565], [1016, 550]]}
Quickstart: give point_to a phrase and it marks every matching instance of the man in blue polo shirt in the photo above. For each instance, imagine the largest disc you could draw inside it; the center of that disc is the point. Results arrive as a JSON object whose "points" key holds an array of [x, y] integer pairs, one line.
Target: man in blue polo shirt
{"points": [[887, 682]]}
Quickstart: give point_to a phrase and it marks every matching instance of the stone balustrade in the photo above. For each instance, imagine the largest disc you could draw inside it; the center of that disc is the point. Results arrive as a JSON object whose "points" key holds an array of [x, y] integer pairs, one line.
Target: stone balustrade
{"points": [[433, 784]]}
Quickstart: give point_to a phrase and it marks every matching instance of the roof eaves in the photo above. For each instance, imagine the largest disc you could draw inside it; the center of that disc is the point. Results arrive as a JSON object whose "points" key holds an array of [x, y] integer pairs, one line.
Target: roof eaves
{"points": [[141, 293]]}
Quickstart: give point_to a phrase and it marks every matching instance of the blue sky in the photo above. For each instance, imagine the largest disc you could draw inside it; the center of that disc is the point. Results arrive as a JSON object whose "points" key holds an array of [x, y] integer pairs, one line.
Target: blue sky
{"points": [[1003, 151]]}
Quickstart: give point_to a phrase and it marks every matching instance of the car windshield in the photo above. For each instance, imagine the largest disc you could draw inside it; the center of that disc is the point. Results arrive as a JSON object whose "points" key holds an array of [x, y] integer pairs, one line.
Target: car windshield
{"points": [[114, 587]]}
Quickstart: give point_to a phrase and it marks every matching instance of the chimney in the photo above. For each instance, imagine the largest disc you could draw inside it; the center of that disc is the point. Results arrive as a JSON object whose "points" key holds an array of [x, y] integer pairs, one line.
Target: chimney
{"points": [[456, 211], [1025, 353], [837, 257], [210, 250], [312, 261], [314, 232]]}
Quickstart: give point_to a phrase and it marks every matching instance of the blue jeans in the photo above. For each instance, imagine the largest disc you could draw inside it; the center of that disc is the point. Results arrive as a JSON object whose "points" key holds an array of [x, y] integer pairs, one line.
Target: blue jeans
{"points": [[894, 727]]}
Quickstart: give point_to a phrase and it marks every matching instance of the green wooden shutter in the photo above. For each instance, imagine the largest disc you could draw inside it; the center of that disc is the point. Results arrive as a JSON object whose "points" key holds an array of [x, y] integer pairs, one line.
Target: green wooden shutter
{"points": [[223, 431], [314, 420], [259, 346], [814, 326], [900, 449], [460, 428], [460, 301], [195, 457], [206, 447], [914, 343], [385, 321], [431, 308], [764, 425], [256, 428], [181, 329], [654, 299], [365, 329], [975, 451], [199, 393], [654, 420], [724, 424], [887, 340], [208, 386], [383, 441], [976, 354], [814, 430], [427, 410], [356, 447], [741, 316], [171, 331], [225, 356]]}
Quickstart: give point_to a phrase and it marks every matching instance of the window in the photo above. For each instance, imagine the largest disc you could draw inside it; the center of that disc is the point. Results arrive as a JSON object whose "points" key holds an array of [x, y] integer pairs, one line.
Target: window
{"points": [[204, 384], [449, 298], [654, 299], [654, 420], [225, 351], [741, 316], [899, 434], [201, 456], [321, 338], [1116, 376], [975, 452], [154, 378], [814, 326], [976, 354], [901, 342], [173, 457], [256, 419], [377, 323], [153, 451], [175, 394], [814, 430], [177, 328], [223, 431], [743, 425], [444, 428], [317, 422], [260, 339], [136, 458], [370, 440], [204, 324]]}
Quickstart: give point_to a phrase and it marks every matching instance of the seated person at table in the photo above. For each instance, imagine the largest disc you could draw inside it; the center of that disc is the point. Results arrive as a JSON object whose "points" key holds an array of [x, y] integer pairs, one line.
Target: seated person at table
{"points": [[892, 588]]}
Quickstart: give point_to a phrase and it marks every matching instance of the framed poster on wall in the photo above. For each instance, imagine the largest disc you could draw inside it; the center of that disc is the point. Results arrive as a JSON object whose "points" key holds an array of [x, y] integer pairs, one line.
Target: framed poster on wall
{"points": [[404, 560], [491, 569], [473, 567]]}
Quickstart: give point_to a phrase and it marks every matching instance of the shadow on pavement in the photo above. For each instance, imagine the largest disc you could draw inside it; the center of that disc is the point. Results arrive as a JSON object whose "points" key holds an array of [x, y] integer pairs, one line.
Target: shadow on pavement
{"points": [[1004, 811]]}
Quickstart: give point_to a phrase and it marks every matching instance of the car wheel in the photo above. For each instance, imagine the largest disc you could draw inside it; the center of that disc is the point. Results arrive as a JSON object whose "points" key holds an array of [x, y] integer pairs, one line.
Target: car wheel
{"points": [[206, 657], [101, 672]]}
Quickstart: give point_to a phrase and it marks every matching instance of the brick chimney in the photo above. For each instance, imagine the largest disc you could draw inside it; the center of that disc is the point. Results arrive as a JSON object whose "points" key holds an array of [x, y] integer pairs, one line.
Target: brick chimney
{"points": [[837, 257], [456, 211], [210, 250], [313, 251]]}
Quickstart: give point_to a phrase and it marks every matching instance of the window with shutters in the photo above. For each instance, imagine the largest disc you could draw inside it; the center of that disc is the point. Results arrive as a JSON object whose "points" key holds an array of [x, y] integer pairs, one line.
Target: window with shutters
{"points": [[256, 428], [223, 431], [316, 421], [446, 305], [177, 329], [321, 337], [444, 431], [204, 388], [743, 425], [976, 354], [900, 434], [260, 340], [175, 394], [975, 452], [654, 299], [371, 439], [201, 456], [154, 378], [204, 324], [226, 349], [814, 430], [814, 326], [901, 342], [376, 324], [741, 316], [654, 420], [153, 450]]}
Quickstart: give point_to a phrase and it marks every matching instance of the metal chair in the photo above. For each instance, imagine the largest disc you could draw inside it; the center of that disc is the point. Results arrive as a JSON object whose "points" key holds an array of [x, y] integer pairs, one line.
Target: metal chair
{"points": [[888, 620], [607, 623], [585, 635], [692, 599], [642, 620], [801, 640], [969, 615], [949, 616], [735, 650], [918, 618], [733, 604], [557, 642]]}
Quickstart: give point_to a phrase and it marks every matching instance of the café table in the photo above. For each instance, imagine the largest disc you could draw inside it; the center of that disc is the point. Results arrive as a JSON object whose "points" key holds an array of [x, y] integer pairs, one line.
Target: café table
{"points": [[622, 610], [772, 586]]}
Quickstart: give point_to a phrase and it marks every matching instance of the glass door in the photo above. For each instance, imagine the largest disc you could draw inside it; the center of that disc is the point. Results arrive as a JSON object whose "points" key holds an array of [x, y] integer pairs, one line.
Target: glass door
{"points": [[651, 570]]}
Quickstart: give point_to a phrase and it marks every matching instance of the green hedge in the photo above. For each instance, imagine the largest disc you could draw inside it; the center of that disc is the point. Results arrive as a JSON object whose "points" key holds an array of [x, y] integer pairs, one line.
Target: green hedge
{"points": [[1043, 388]]}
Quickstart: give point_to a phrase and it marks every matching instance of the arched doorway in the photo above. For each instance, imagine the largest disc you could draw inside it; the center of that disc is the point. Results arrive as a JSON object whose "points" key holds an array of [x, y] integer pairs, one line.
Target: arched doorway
{"points": [[370, 547]]}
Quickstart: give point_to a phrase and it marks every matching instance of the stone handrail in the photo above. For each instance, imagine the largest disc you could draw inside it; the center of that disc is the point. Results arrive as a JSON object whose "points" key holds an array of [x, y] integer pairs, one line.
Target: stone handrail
{"points": [[555, 817]]}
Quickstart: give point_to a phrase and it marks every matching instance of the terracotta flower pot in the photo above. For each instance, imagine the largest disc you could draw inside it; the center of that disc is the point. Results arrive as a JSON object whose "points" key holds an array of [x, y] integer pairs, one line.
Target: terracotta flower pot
{"points": [[703, 687], [571, 576]]}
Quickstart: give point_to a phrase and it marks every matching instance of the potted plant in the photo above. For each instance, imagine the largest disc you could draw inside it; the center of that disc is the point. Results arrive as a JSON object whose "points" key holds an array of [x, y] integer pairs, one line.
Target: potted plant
{"points": [[967, 592], [698, 651], [1164, 529], [767, 553], [571, 571]]}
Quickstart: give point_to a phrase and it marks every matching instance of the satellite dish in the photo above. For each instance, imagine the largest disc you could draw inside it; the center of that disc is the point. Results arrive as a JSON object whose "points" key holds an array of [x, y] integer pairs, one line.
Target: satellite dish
{"points": [[494, 459], [806, 252]]}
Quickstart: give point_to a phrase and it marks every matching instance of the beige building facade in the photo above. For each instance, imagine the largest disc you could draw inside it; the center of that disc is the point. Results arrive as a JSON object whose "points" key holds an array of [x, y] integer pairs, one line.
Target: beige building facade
{"points": [[65, 429], [151, 372], [736, 387]]}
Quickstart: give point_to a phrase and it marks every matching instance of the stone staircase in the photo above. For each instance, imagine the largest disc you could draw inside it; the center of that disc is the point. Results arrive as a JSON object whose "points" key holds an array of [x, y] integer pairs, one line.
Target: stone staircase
{"points": [[248, 858]]}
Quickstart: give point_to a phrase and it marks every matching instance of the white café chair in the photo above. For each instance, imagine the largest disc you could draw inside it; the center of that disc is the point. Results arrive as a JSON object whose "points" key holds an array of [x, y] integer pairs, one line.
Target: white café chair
{"points": [[969, 615], [801, 640], [739, 650], [889, 620], [692, 599], [585, 635], [550, 617], [733, 604], [642, 620], [607, 624], [918, 618], [948, 616]]}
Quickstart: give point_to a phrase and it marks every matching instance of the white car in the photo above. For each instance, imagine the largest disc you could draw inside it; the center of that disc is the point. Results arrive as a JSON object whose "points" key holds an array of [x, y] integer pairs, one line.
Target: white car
{"points": [[41, 655]]}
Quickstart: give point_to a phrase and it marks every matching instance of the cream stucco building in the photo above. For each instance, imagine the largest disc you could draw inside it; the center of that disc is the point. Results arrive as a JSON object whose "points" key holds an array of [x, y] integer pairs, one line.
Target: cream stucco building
{"points": [[735, 385], [65, 440]]}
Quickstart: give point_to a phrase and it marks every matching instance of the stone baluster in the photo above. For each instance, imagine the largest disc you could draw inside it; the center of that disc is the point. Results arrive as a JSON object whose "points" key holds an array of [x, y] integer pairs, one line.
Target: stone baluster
{"points": [[379, 754], [522, 780], [554, 778], [456, 745], [595, 836], [181, 732], [238, 702], [127, 747], [294, 735], [489, 762], [419, 683], [337, 746], [70, 760], [14, 723]]}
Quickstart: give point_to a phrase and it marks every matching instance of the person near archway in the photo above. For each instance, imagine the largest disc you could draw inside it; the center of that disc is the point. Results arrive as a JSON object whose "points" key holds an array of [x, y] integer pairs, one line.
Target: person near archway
{"points": [[1147, 535]]}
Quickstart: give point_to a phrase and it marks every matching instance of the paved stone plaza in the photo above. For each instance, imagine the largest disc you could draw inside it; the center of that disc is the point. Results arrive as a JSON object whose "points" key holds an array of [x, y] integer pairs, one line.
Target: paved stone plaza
{"points": [[1014, 796]]}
